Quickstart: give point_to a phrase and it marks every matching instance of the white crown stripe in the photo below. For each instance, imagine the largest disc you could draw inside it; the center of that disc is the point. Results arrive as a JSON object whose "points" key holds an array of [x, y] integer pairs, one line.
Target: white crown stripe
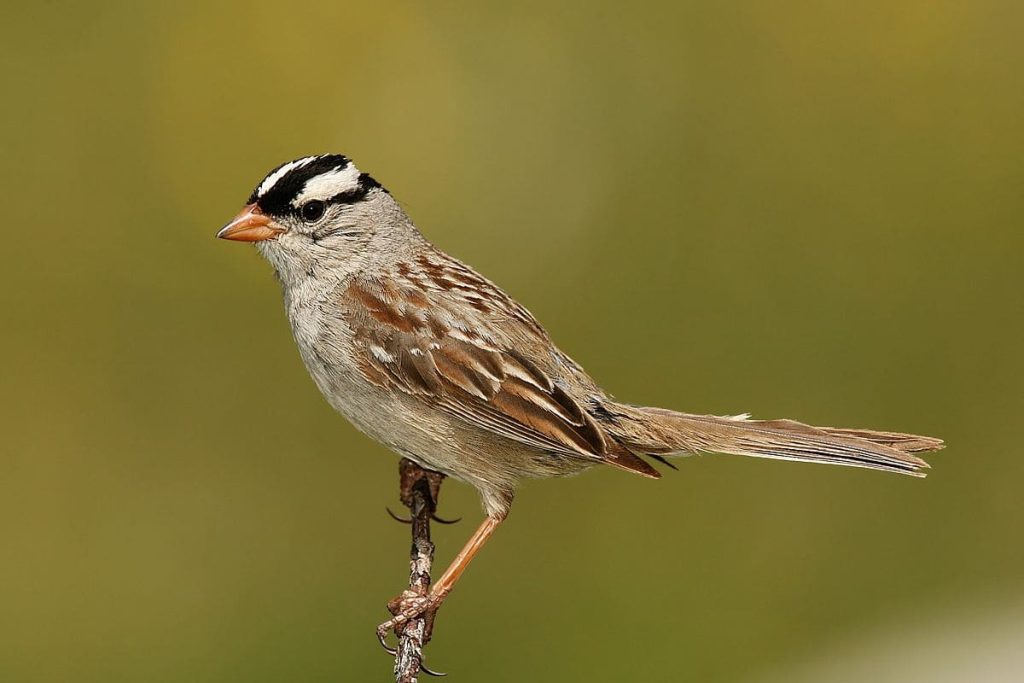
{"points": [[274, 177], [329, 184]]}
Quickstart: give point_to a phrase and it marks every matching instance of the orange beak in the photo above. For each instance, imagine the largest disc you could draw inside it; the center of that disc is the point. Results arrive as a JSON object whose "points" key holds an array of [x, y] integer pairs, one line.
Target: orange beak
{"points": [[251, 225]]}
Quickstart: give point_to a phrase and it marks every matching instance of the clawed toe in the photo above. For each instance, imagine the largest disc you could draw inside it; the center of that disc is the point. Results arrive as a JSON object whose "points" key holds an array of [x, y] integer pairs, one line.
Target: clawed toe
{"points": [[407, 606], [382, 638], [431, 672], [408, 520], [441, 520], [396, 517]]}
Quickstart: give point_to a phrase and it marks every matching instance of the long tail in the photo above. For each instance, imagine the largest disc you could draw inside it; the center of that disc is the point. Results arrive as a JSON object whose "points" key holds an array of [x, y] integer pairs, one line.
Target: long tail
{"points": [[660, 432]]}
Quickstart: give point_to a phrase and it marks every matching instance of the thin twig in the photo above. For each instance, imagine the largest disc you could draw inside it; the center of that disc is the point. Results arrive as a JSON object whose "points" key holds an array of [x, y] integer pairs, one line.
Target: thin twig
{"points": [[419, 491]]}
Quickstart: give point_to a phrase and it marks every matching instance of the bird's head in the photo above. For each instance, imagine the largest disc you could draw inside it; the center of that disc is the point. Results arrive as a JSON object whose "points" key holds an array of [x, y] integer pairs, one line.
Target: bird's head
{"points": [[315, 210]]}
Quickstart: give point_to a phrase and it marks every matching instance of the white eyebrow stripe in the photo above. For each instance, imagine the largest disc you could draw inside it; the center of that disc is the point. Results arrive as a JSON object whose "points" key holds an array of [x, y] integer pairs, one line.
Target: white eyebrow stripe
{"points": [[329, 184], [272, 179]]}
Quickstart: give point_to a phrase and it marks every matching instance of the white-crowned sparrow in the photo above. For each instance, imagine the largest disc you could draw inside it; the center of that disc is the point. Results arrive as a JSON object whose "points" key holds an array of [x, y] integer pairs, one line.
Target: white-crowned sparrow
{"points": [[433, 360]]}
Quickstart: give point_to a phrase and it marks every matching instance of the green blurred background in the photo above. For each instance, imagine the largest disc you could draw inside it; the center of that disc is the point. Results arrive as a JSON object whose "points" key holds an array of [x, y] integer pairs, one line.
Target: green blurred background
{"points": [[803, 209]]}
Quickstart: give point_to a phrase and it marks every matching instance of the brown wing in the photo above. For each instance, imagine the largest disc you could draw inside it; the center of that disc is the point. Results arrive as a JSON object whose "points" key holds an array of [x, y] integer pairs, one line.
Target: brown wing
{"points": [[463, 347]]}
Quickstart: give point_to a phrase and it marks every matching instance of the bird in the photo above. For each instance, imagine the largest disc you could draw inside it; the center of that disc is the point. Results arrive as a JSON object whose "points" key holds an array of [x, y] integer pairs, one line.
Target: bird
{"points": [[434, 361]]}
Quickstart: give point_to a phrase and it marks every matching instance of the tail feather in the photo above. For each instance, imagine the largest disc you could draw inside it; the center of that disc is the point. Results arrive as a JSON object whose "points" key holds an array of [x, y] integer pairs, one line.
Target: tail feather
{"points": [[907, 443], [656, 431]]}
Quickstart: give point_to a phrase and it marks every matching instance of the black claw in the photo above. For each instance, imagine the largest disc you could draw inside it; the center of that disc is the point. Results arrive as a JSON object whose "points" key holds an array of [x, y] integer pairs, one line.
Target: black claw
{"points": [[439, 520], [382, 639], [445, 521], [395, 517], [436, 674]]}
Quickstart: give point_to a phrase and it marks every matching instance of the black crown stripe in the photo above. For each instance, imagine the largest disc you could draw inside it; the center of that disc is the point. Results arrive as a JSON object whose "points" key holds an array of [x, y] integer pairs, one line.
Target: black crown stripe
{"points": [[277, 200]]}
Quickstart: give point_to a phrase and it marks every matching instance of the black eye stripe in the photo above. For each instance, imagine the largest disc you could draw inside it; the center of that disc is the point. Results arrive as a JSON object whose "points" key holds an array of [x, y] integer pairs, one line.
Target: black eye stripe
{"points": [[349, 196], [358, 193]]}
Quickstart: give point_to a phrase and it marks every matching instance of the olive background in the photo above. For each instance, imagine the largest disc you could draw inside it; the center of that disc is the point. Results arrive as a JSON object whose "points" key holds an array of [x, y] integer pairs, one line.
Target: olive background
{"points": [[799, 209]]}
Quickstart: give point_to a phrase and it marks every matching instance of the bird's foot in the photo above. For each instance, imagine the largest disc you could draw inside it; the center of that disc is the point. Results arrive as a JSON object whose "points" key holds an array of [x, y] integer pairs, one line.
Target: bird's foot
{"points": [[404, 608]]}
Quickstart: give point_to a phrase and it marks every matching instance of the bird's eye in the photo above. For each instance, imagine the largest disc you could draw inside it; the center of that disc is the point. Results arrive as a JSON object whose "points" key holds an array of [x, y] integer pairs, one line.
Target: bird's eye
{"points": [[312, 211]]}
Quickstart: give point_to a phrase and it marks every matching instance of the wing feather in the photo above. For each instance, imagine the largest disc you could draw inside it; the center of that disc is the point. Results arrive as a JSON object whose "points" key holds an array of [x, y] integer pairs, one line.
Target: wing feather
{"points": [[457, 362]]}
